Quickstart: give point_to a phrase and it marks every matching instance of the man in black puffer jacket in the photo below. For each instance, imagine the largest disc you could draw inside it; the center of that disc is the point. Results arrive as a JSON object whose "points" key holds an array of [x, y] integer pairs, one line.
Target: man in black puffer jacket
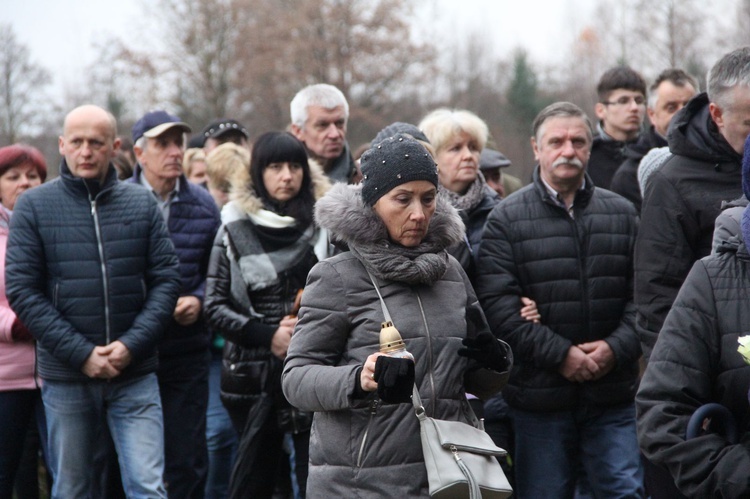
{"points": [[696, 362], [567, 245], [93, 275], [684, 196]]}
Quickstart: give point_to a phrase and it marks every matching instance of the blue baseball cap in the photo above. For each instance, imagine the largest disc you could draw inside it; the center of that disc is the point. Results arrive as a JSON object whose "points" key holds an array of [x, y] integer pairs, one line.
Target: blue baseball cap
{"points": [[156, 123]]}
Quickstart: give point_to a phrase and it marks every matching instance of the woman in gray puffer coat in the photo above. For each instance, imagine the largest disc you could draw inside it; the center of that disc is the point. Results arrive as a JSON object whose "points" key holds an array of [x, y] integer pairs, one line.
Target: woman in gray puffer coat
{"points": [[397, 228]]}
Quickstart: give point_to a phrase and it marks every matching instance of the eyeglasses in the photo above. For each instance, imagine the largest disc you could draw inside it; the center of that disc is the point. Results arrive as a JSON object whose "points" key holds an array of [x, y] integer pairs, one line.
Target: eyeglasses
{"points": [[625, 100]]}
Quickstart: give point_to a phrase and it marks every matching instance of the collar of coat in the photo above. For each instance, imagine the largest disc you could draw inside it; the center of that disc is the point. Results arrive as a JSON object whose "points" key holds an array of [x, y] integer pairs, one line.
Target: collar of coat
{"points": [[346, 216], [245, 200], [582, 196]]}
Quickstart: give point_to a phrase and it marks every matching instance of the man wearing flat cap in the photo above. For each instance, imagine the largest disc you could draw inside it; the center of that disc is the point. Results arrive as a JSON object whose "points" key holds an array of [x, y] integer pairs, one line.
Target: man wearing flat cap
{"points": [[192, 220], [92, 274], [491, 163], [222, 131]]}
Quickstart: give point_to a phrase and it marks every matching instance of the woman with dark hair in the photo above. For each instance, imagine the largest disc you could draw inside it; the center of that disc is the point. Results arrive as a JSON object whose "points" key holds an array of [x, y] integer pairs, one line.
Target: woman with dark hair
{"points": [[262, 254], [21, 168]]}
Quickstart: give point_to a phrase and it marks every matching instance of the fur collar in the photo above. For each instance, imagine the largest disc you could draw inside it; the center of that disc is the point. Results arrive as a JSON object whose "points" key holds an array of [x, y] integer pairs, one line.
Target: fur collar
{"points": [[245, 200], [344, 214]]}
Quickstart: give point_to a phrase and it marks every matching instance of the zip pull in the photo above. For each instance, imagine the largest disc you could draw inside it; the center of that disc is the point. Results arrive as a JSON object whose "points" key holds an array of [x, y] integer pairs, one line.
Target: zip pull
{"points": [[93, 208]]}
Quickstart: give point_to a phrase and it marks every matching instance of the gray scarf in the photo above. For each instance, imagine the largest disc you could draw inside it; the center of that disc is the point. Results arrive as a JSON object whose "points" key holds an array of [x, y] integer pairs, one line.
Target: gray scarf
{"points": [[472, 198], [343, 213]]}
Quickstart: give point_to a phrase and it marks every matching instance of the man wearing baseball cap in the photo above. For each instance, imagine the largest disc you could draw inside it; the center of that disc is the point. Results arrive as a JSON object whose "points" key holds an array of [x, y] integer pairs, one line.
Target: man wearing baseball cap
{"points": [[192, 220], [222, 131]]}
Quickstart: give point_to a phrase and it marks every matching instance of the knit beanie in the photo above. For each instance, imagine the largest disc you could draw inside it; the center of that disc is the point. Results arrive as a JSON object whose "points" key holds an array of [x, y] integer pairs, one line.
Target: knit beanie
{"points": [[400, 127], [392, 162], [651, 162]]}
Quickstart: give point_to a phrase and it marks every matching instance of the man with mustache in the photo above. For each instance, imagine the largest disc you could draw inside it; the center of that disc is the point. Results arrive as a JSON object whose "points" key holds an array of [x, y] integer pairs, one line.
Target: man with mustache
{"points": [[621, 108], [568, 245]]}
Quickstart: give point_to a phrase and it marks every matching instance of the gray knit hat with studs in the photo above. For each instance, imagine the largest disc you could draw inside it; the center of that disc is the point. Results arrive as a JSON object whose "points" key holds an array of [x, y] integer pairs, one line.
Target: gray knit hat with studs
{"points": [[400, 127], [392, 162]]}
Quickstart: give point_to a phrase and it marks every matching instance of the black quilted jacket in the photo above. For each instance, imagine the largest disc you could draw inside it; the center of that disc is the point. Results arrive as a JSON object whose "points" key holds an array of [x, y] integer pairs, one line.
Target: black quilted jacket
{"points": [[695, 361], [579, 272], [680, 205]]}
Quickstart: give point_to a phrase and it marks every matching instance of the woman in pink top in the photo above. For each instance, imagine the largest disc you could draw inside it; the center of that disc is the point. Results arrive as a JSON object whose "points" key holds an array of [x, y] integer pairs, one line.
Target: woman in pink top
{"points": [[21, 168]]}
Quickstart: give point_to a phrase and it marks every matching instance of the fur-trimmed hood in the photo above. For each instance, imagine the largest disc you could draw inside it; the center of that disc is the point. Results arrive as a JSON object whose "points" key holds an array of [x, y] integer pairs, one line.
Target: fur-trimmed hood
{"points": [[245, 199], [343, 213]]}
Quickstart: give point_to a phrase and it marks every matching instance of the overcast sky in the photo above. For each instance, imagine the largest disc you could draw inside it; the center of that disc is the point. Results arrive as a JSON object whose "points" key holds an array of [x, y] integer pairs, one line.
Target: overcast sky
{"points": [[61, 33]]}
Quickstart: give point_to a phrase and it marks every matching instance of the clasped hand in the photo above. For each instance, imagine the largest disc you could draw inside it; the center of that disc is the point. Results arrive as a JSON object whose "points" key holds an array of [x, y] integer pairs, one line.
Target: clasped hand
{"points": [[587, 361], [108, 361]]}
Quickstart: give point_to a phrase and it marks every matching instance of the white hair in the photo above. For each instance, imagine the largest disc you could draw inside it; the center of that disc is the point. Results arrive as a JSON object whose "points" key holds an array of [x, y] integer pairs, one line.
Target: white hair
{"points": [[321, 94]]}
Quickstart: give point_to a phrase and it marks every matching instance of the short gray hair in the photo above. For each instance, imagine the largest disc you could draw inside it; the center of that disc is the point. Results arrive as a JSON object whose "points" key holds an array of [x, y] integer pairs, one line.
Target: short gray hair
{"points": [[677, 77], [732, 70], [560, 110], [321, 94]]}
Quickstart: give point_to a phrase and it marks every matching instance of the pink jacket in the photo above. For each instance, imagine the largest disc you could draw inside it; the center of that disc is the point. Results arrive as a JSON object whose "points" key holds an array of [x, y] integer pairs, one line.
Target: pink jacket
{"points": [[16, 359]]}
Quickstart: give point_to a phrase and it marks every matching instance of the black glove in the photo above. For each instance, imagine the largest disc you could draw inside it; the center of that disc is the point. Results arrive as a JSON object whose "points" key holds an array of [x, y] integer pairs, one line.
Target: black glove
{"points": [[19, 332], [395, 378], [488, 351]]}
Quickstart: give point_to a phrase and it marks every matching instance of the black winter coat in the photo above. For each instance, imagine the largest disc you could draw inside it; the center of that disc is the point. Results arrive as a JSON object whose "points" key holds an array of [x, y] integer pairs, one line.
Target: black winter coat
{"points": [[86, 267], [606, 157], [680, 205], [695, 361], [579, 272], [625, 180]]}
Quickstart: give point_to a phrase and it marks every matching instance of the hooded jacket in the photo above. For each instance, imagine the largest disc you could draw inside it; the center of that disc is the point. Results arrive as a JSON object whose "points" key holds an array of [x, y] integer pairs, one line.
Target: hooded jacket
{"points": [[87, 265], [360, 447], [579, 272], [681, 203], [625, 180], [695, 362]]}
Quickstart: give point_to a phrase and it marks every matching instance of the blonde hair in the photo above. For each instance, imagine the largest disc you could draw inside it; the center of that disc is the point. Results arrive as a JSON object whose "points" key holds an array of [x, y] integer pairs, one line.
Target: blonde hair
{"points": [[192, 155], [226, 165], [441, 125]]}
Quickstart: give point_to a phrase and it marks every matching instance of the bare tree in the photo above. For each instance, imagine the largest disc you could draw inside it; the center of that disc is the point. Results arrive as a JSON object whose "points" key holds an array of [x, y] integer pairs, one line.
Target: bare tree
{"points": [[22, 88], [363, 47]]}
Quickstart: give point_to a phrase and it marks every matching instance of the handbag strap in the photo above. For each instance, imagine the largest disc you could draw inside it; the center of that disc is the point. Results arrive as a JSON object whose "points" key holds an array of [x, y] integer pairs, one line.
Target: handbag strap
{"points": [[416, 400], [386, 314]]}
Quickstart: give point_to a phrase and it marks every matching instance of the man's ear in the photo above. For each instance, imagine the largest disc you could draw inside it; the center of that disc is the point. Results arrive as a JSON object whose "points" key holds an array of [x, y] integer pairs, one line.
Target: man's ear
{"points": [[534, 148], [296, 131], [138, 153], [116, 144], [600, 110], [717, 114]]}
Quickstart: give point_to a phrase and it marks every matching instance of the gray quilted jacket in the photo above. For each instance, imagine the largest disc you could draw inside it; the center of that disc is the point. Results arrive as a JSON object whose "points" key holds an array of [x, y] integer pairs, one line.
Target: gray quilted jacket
{"points": [[361, 447]]}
